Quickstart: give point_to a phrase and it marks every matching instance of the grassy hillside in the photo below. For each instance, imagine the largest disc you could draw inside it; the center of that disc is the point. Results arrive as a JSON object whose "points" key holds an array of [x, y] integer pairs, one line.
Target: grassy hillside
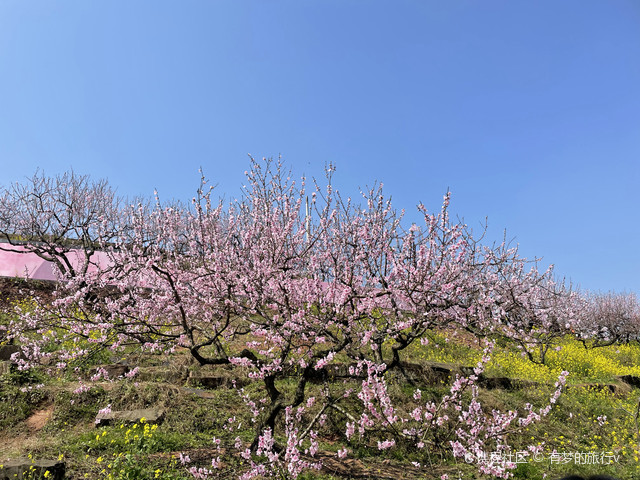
{"points": [[593, 428]]}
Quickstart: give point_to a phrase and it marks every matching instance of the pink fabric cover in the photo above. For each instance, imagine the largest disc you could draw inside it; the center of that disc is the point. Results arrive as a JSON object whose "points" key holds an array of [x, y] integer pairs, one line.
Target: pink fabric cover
{"points": [[29, 265]]}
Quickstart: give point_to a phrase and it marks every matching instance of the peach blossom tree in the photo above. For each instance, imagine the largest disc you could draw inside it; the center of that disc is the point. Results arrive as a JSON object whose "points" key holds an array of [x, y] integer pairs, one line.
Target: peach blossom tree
{"points": [[289, 282]]}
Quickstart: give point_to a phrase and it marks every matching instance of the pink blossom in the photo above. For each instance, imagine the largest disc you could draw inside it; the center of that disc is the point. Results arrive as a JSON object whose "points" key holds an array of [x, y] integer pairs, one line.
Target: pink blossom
{"points": [[386, 444]]}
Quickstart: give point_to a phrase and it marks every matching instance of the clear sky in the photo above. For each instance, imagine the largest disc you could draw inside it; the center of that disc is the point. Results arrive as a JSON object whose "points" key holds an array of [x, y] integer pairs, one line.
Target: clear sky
{"points": [[529, 112]]}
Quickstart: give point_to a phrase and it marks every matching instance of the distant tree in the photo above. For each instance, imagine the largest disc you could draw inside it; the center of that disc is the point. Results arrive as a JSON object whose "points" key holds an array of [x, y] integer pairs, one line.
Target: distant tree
{"points": [[608, 318], [62, 219]]}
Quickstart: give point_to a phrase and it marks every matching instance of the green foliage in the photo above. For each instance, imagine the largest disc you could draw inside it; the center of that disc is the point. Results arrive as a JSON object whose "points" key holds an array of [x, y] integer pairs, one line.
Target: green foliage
{"points": [[16, 405], [17, 377], [71, 409], [20, 393], [584, 420], [130, 466], [123, 452]]}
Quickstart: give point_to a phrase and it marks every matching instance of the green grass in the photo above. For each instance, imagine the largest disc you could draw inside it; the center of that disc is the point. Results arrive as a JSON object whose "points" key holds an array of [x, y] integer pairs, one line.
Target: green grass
{"points": [[576, 424]]}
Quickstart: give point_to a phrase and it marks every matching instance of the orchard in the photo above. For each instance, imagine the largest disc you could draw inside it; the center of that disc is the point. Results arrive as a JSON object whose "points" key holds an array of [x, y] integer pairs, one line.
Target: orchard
{"points": [[288, 285]]}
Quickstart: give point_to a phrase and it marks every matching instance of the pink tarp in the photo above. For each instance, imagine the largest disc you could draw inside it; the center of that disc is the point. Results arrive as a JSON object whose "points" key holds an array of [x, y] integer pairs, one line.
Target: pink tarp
{"points": [[29, 265]]}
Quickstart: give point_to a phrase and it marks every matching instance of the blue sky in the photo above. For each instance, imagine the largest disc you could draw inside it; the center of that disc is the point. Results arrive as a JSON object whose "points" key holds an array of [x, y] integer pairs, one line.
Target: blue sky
{"points": [[529, 112]]}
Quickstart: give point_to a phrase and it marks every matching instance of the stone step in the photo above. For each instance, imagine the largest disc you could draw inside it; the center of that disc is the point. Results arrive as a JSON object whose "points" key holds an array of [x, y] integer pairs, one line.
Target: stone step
{"points": [[151, 415], [23, 468]]}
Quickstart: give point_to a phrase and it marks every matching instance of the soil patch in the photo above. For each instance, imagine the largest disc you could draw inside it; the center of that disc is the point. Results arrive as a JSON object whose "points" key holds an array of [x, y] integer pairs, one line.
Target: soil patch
{"points": [[39, 419]]}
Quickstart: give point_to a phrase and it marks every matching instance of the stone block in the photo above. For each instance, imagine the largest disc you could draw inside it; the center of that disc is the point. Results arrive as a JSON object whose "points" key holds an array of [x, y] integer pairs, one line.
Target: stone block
{"points": [[7, 350], [151, 415], [20, 468]]}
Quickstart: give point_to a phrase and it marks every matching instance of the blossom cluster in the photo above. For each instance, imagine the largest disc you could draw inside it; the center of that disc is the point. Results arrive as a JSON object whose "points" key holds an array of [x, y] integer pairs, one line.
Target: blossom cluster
{"points": [[287, 282]]}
